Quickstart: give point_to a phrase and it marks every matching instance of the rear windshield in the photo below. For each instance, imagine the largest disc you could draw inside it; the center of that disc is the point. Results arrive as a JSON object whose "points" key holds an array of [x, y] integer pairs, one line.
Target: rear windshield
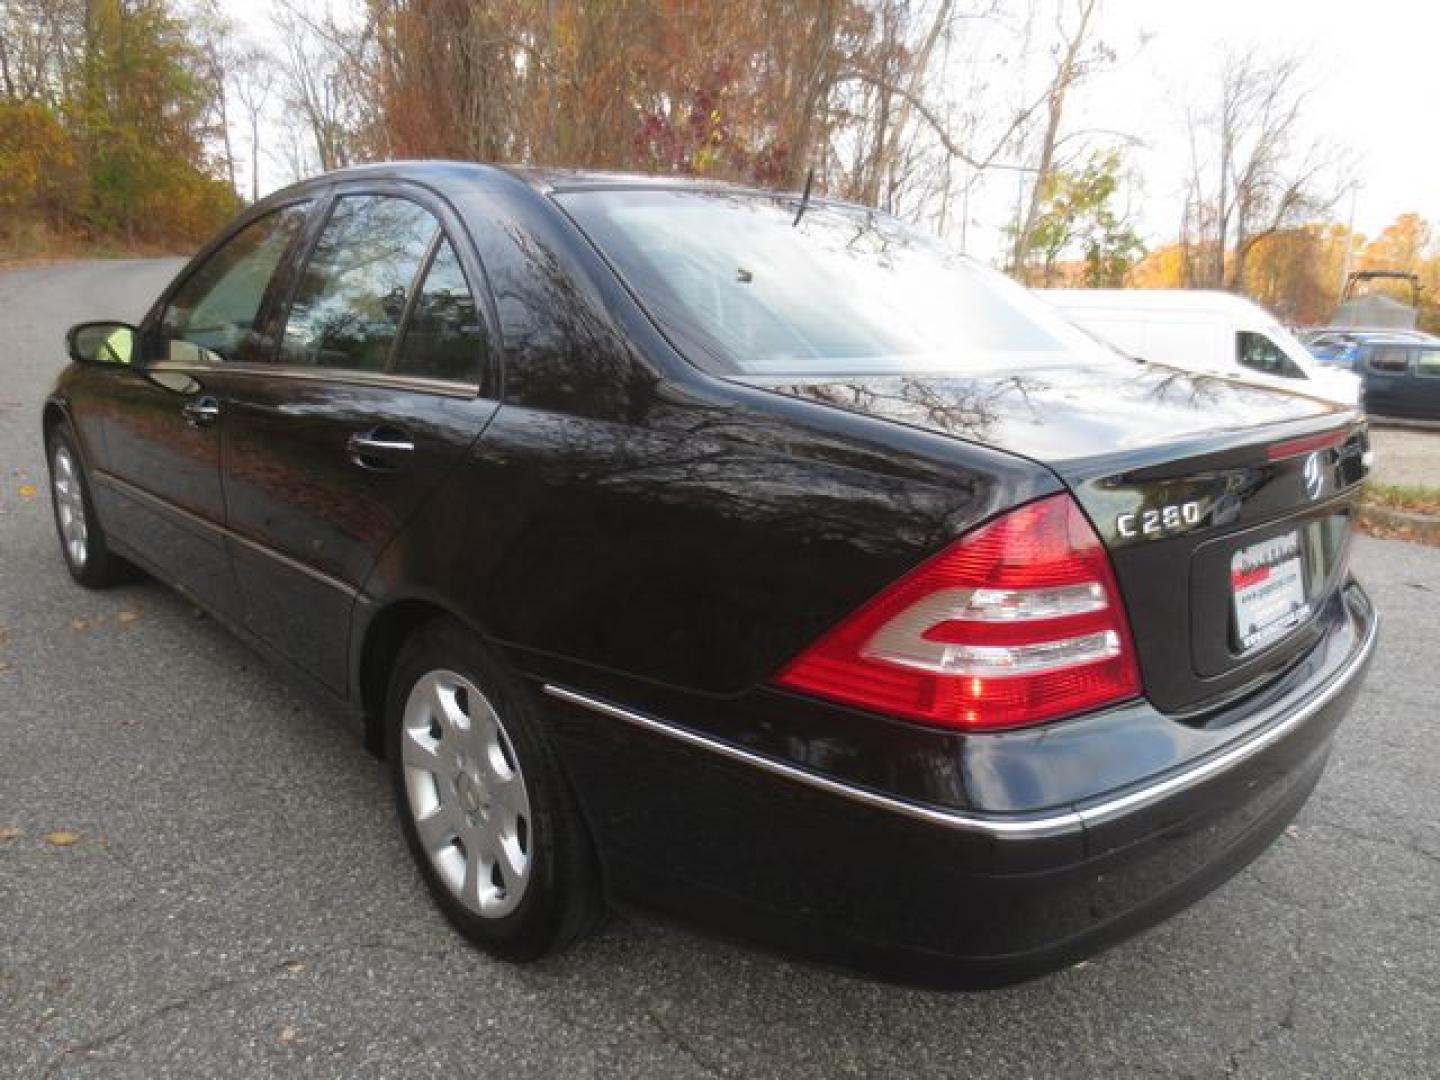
{"points": [[736, 279]]}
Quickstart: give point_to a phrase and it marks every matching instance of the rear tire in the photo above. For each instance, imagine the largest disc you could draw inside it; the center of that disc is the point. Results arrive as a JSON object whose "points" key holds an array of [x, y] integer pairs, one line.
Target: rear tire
{"points": [[489, 816], [82, 539]]}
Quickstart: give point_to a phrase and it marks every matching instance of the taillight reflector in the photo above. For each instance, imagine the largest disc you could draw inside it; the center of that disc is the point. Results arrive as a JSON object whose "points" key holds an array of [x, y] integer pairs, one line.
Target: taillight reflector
{"points": [[1296, 447], [1016, 623]]}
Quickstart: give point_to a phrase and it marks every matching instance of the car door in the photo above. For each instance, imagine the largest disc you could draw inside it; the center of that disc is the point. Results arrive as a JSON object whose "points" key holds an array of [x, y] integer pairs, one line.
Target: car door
{"points": [[162, 487], [1387, 375], [1425, 373], [378, 387]]}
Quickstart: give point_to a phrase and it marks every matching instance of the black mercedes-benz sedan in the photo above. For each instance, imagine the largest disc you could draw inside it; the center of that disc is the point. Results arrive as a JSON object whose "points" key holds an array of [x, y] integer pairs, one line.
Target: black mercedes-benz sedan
{"points": [[742, 555]]}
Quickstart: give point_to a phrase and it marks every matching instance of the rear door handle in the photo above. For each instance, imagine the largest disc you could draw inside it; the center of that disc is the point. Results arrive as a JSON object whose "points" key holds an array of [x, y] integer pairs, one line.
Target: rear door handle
{"points": [[201, 411], [380, 449]]}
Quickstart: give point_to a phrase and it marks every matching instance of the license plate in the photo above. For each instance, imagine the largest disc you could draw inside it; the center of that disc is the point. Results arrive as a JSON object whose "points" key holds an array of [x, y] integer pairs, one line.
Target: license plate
{"points": [[1268, 583]]}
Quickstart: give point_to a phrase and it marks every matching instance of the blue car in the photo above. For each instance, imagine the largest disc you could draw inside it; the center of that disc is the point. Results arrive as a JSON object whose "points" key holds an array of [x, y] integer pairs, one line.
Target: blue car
{"points": [[1400, 376], [1342, 348]]}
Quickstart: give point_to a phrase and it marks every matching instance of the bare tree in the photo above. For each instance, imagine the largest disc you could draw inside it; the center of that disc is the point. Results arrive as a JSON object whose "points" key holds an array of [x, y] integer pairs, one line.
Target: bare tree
{"points": [[40, 42], [894, 102], [215, 39], [323, 87], [923, 106], [252, 74], [1251, 174], [1076, 57]]}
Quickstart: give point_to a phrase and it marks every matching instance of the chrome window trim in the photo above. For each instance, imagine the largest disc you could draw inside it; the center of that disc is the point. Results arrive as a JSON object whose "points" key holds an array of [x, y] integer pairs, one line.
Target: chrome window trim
{"points": [[1274, 728], [379, 379]]}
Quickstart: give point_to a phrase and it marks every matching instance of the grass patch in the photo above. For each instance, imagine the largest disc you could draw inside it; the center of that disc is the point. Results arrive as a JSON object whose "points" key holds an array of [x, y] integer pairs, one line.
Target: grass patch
{"points": [[1411, 498]]}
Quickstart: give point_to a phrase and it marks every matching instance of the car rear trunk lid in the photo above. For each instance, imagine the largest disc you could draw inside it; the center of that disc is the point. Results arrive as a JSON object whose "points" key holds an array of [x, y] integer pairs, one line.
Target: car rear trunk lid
{"points": [[1226, 507]]}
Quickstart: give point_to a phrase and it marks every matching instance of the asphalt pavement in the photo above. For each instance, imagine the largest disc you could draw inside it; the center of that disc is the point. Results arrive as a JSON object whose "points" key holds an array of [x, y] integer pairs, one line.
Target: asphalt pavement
{"points": [[200, 873], [1408, 455]]}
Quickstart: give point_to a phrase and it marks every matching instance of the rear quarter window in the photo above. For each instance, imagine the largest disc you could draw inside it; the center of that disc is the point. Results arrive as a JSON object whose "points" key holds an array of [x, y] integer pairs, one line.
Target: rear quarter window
{"points": [[1427, 362]]}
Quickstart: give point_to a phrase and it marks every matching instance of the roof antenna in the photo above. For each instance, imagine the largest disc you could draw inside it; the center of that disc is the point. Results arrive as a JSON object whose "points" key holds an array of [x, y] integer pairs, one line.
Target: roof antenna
{"points": [[804, 197]]}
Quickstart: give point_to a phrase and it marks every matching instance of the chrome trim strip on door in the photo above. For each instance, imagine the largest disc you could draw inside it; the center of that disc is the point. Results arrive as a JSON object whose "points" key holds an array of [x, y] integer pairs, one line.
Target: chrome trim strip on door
{"points": [[378, 379], [1052, 825], [1059, 823], [190, 517]]}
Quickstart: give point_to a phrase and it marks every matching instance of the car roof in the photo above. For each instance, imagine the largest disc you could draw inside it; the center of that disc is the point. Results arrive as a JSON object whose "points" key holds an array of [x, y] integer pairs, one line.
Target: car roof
{"points": [[1193, 301], [551, 179], [1368, 332], [447, 177]]}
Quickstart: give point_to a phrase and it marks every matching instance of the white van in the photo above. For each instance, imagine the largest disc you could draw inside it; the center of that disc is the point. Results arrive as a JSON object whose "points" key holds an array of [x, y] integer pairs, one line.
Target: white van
{"points": [[1213, 332]]}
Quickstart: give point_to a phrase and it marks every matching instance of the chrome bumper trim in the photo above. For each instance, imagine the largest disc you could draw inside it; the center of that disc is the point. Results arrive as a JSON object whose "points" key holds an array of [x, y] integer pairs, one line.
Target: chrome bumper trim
{"points": [[1022, 828]]}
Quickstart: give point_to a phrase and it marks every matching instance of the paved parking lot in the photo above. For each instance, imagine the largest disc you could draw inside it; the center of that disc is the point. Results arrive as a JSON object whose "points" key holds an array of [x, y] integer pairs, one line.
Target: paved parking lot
{"points": [[1408, 454], [237, 900]]}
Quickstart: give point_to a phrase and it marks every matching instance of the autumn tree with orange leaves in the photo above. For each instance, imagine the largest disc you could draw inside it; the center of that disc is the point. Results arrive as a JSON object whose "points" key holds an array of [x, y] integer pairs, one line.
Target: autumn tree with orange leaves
{"points": [[107, 123]]}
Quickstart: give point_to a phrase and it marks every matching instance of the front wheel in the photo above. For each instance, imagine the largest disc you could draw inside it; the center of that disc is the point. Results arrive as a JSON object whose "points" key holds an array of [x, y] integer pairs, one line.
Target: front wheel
{"points": [[487, 813], [82, 540]]}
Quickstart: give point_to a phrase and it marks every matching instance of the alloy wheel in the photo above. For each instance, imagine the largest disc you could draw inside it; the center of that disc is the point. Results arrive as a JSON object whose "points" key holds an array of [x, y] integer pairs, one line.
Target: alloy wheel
{"points": [[70, 506]]}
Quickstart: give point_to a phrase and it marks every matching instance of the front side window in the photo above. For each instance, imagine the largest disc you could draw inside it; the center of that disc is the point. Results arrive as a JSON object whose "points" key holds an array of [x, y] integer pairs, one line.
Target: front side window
{"points": [[212, 315], [356, 286], [1390, 358], [1258, 353], [745, 287]]}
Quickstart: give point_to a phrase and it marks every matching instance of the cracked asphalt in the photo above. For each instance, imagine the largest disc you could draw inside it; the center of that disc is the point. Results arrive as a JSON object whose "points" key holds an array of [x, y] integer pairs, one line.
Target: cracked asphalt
{"points": [[239, 901]]}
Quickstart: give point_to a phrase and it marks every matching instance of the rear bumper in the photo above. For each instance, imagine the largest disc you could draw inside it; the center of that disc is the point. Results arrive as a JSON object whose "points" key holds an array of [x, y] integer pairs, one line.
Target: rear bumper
{"points": [[814, 865]]}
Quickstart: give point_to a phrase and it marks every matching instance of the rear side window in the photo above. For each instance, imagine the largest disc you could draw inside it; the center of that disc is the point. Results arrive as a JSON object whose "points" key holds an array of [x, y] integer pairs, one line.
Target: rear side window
{"points": [[1391, 358], [212, 315], [443, 335], [1427, 362], [1258, 353], [356, 287]]}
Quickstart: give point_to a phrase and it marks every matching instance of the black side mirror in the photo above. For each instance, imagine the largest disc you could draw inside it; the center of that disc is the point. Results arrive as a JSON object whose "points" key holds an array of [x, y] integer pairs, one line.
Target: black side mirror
{"points": [[102, 343]]}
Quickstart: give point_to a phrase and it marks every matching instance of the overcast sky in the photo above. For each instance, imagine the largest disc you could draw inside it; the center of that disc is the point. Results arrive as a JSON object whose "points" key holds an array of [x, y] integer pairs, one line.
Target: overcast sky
{"points": [[1375, 68]]}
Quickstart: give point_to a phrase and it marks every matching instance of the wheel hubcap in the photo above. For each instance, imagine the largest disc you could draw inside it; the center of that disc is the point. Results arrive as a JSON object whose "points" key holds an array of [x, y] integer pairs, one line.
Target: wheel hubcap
{"points": [[69, 506], [467, 795]]}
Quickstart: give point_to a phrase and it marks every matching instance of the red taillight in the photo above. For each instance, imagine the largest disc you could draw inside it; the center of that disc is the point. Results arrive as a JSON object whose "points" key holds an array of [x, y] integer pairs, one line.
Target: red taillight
{"points": [[1296, 447], [1018, 622]]}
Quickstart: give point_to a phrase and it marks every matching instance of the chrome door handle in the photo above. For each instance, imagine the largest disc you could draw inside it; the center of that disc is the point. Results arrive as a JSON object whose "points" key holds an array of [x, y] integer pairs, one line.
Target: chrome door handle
{"points": [[201, 412], [379, 449]]}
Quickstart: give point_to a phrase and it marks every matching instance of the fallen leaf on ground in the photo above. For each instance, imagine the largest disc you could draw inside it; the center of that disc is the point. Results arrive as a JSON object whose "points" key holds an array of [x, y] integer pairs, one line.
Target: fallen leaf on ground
{"points": [[9, 832], [294, 966], [27, 491], [124, 617], [1292, 832], [4, 635], [288, 1034], [5, 666], [81, 625], [61, 838]]}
